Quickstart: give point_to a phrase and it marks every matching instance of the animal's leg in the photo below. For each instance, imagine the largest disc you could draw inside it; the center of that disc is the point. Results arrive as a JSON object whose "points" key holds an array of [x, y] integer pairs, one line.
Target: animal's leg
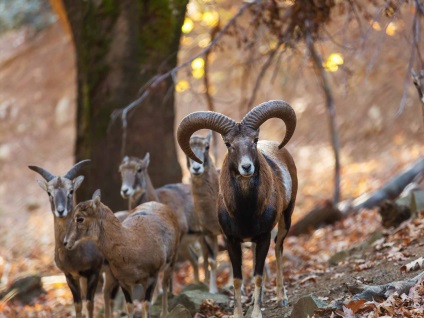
{"points": [[206, 250], [167, 277], [148, 297], [234, 251], [213, 264], [92, 281], [283, 228], [110, 288], [127, 290], [76, 294], [261, 251]]}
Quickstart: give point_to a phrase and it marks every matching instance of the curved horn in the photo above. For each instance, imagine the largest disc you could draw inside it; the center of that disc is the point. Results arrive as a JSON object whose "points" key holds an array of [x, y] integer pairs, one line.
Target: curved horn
{"points": [[72, 174], [44, 173], [201, 120], [272, 109]]}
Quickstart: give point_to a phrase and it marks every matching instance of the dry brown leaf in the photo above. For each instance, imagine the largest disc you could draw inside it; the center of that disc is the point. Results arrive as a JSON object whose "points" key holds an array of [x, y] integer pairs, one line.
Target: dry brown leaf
{"points": [[355, 305], [413, 266]]}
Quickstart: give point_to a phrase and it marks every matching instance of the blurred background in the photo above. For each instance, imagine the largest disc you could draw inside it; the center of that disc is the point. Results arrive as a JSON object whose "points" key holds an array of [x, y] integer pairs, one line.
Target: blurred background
{"points": [[57, 99]]}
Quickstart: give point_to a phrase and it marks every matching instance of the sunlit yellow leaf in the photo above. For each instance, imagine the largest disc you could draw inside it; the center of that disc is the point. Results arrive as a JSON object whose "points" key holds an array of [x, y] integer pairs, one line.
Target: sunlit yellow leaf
{"points": [[198, 72], [182, 86], [376, 26], [391, 29], [186, 40], [333, 62], [211, 18], [187, 26], [198, 63], [204, 42]]}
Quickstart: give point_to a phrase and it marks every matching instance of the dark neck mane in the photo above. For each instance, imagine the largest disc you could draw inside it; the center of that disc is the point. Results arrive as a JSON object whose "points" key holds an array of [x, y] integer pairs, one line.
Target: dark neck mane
{"points": [[246, 196]]}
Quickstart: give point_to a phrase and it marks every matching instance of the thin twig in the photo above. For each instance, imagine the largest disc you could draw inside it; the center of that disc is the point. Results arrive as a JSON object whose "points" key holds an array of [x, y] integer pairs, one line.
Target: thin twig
{"points": [[415, 31], [317, 60], [209, 100]]}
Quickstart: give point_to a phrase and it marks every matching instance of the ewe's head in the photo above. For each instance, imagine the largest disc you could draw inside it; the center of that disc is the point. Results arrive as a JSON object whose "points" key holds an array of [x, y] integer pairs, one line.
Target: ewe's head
{"points": [[61, 189], [240, 138], [84, 226], [200, 147], [133, 173]]}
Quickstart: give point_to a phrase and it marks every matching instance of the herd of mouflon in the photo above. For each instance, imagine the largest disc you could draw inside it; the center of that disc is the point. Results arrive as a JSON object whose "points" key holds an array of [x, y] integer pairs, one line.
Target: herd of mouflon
{"points": [[253, 192]]}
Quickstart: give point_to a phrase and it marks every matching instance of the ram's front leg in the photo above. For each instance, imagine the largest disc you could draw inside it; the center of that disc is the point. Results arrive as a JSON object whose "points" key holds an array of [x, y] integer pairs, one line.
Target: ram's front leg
{"points": [[261, 251], [234, 251]]}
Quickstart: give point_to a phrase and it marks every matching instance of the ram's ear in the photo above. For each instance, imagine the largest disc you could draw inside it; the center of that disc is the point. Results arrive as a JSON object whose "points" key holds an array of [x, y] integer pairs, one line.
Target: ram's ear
{"points": [[96, 198], [146, 160]]}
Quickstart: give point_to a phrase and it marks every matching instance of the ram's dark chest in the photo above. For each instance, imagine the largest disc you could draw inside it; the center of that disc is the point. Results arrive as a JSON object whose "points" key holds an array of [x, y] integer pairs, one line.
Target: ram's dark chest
{"points": [[249, 217]]}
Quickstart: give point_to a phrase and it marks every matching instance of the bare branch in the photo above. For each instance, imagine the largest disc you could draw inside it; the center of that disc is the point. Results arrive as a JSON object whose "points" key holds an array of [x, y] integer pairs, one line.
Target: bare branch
{"points": [[261, 74], [317, 60], [415, 31]]}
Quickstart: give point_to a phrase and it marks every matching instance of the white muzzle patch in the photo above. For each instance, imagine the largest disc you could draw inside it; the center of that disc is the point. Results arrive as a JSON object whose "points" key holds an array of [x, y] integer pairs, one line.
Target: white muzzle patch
{"points": [[246, 167], [196, 168], [126, 191]]}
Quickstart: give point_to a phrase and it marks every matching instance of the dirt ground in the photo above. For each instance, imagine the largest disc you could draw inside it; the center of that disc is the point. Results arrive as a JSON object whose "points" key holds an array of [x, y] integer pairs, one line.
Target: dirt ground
{"points": [[37, 125]]}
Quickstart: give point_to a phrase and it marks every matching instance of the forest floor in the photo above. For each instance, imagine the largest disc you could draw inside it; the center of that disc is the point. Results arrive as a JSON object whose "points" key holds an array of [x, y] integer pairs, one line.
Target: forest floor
{"points": [[37, 125]]}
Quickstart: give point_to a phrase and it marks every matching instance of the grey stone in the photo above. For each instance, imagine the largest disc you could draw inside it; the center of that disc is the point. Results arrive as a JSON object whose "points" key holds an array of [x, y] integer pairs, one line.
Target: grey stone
{"points": [[179, 312], [306, 306], [192, 299]]}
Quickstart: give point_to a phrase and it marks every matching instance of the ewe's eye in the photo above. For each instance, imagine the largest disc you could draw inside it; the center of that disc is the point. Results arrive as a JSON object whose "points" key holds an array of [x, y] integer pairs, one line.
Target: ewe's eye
{"points": [[139, 170], [207, 148], [71, 192], [50, 195], [228, 144], [80, 220], [256, 140]]}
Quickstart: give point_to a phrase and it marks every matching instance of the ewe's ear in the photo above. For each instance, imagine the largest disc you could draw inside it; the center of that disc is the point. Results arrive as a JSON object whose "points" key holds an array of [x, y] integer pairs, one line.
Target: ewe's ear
{"points": [[77, 182], [42, 184], [96, 198], [209, 136], [146, 160]]}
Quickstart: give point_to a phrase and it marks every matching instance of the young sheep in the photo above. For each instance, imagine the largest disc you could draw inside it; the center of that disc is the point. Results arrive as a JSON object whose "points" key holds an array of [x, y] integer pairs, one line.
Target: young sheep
{"points": [[81, 266], [137, 249], [258, 187], [204, 187], [137, 187]]}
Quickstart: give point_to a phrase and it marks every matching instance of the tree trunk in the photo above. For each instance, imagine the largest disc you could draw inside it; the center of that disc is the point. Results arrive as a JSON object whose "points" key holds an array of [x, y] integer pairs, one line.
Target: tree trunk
{"points": [[120, 45]]}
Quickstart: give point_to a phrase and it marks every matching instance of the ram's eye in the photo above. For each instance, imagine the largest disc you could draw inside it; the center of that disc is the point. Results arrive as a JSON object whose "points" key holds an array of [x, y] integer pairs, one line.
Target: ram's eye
{"points": [[228, 144], [71, 192], [139, 170], [50, 195], [207, 148], [256, 140], [80, 220]]}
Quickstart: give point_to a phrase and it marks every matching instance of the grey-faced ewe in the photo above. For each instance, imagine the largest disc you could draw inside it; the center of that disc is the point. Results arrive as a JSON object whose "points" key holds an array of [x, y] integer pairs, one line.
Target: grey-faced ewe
{"points": [[81, 266]]}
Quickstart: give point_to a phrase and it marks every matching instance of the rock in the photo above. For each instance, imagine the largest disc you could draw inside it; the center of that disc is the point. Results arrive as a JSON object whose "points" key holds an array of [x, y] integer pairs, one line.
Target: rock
{"points": [[338, 257], [156, 308], [306, 306], [198, 286], [179, 312], [192, 296]]}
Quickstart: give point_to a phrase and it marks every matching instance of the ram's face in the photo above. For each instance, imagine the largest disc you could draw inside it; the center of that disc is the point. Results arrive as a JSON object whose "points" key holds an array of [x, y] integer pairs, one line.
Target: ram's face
{"points": [[241, 143]]}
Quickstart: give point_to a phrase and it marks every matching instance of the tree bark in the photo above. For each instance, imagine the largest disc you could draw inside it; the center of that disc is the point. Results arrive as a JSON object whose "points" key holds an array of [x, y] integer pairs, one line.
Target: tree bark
{"points": [[120, 45]]}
